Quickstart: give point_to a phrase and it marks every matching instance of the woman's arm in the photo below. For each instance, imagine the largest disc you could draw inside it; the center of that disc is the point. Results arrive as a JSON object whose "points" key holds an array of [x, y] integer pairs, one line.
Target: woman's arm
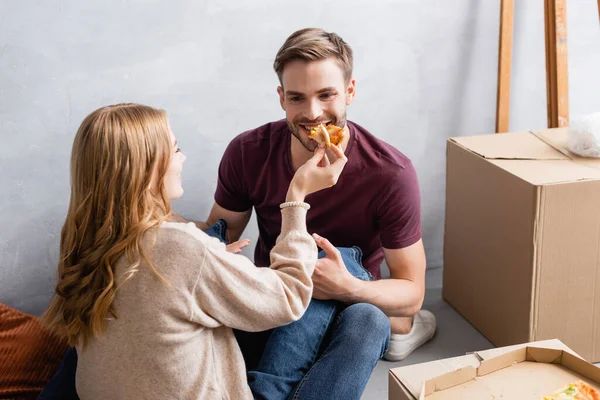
{"points": [[233, 291]]}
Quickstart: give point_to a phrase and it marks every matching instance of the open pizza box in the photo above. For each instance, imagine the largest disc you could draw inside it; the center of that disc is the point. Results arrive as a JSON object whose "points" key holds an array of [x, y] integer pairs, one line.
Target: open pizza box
{"points": [[529, 371]]}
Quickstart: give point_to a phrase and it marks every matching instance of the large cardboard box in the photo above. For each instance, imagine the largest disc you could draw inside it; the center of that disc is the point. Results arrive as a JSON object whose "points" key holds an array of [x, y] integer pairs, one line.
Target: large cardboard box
{"points": [[522, 239], [523, 372]]}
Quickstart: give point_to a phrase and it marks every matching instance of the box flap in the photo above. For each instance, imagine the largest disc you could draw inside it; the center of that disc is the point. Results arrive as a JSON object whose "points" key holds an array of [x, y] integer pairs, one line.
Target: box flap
{"points": [[584, 368], [540, 354], [447, 381], [503, 361], [548, 344], [548, 172], [510, 146], [413, 377], [558, 139], [545, 355], [538, 157]]}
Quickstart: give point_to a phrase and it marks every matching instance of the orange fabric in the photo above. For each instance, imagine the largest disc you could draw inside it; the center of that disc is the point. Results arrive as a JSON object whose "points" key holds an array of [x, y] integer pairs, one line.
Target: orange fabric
{"points": [[29, 354]]}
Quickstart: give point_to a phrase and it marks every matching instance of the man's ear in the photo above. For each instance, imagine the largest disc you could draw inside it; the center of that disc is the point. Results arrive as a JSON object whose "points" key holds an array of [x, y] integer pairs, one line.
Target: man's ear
{"points": [[281, 93], [350, 91]]}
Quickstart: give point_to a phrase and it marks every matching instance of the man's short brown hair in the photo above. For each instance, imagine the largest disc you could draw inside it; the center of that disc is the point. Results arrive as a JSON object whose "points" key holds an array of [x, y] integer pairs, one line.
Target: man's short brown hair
{"points": [[313, 44]]}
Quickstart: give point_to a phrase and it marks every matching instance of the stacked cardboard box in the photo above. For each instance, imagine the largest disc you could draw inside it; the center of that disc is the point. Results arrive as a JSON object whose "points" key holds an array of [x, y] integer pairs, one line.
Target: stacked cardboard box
{"points": [[522, 239]]}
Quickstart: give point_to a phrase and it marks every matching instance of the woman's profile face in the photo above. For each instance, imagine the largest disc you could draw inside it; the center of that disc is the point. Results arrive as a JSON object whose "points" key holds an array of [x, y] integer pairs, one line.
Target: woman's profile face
{"points": [[173, 185]]}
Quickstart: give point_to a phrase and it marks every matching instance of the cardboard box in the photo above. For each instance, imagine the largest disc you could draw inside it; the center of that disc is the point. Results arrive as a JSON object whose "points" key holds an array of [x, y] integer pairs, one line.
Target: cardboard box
{"points": [[522, 239], [528, 371]]}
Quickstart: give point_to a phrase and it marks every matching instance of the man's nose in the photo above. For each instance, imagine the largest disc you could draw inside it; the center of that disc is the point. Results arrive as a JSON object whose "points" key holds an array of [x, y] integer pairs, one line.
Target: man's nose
{"points": [[313, 110]]}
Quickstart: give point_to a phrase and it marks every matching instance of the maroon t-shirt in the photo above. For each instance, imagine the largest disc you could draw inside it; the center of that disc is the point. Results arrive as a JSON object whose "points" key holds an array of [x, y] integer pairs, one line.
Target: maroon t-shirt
{"points": [[375, 203]]}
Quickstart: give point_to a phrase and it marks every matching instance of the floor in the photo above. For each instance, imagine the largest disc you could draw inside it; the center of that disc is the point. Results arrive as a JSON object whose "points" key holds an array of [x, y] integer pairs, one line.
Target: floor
{"points": [[454, 337]]}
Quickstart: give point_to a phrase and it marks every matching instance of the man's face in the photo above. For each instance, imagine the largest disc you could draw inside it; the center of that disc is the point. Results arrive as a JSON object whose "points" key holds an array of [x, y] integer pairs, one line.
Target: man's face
{"points": [[313, 93]]}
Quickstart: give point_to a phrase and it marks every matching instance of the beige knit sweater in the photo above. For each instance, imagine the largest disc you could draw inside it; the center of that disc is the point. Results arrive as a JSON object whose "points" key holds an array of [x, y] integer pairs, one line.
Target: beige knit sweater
{"points": [[175, 341]]}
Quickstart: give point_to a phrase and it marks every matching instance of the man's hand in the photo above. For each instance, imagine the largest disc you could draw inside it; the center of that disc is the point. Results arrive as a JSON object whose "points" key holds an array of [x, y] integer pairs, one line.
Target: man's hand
{"points": [[331, 279], [236, 247]]}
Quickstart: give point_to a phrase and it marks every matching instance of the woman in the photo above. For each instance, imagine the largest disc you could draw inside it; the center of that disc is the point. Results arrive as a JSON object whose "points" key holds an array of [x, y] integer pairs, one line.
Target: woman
{"points": [[150, 303]]}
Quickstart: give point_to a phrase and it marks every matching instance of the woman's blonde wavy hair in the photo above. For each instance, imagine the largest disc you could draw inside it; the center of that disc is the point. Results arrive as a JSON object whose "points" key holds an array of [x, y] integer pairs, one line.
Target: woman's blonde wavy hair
{"points": [[119, 159]]}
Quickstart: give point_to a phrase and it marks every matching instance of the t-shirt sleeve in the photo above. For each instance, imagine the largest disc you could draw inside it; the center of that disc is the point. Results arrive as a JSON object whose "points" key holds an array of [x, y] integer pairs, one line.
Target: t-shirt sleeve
{"points": [[399, 212], [232, 191]]}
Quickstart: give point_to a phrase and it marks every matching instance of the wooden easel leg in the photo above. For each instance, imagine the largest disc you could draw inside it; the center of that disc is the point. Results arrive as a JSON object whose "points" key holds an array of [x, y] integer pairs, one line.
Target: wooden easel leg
{"points": [[557, 86], [504, 65]]}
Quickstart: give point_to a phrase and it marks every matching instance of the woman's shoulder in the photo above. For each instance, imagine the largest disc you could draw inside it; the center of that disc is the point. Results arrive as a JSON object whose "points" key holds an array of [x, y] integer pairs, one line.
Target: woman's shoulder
{"points": [[180, 249], [186, 234]]}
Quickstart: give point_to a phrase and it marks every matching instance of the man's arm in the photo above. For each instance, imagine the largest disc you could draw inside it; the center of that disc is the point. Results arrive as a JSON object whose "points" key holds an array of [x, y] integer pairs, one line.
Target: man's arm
{"points": [[400, 296], [236, 221]]}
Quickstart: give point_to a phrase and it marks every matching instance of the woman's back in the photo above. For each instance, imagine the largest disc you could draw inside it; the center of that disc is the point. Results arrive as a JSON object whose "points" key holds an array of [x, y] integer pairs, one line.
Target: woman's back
{"points": [[174, 340], [156, 348]]}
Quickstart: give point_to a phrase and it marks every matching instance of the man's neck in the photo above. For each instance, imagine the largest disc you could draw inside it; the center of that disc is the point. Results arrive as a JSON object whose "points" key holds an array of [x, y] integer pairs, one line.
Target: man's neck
{"points": [[299, 154]]}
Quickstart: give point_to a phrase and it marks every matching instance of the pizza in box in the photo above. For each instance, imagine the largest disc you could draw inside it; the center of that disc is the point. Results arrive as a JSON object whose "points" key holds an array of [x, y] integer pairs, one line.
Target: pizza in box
{"points": [[575, 391]]}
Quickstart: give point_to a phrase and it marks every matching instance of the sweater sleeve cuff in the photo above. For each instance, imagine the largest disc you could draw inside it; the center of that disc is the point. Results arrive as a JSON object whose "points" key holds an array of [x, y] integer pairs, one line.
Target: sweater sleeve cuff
{"points": [[293, 219]]}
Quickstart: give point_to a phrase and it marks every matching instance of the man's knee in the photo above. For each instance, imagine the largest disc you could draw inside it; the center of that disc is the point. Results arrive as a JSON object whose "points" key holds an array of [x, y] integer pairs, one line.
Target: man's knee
{"points": [[352, 258], [370, 323]]}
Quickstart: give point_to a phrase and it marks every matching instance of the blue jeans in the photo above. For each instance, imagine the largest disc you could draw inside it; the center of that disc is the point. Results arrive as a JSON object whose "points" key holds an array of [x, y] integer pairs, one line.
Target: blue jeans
{"points": [[329, 353], [62, 384]]}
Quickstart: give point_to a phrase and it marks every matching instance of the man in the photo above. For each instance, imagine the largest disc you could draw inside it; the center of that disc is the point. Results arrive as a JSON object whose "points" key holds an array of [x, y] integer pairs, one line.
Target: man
{"points": [[375, 205]]}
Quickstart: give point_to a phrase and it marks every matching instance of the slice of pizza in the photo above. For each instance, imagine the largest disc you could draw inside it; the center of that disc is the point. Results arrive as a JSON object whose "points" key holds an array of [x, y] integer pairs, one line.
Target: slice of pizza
{"points": [[336, 134], [578, 390], [328, 134]]}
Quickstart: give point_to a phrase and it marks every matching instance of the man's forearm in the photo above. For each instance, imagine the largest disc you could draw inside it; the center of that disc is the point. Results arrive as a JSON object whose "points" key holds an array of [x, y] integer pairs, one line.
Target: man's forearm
{"points": [[236, 221], [395, 297]]}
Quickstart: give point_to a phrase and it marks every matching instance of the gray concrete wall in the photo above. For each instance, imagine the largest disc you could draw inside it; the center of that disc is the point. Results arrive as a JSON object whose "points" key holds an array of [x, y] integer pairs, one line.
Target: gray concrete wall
{"points": [[425, 70]]}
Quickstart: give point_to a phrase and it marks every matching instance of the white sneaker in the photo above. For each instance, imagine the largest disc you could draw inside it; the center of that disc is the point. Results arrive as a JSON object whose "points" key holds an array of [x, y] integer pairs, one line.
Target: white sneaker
{"points": [[422, 331]]}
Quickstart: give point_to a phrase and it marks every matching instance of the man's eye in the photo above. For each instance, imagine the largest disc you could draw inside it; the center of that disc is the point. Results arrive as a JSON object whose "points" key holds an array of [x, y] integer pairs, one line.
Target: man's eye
{"points": [[295, 98], [326, 95]]}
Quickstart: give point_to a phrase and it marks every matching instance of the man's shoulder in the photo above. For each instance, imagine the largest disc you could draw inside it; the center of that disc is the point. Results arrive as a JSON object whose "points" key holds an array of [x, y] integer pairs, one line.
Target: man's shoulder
{"points": [[257, 144], [375, 151], [261, 134]]}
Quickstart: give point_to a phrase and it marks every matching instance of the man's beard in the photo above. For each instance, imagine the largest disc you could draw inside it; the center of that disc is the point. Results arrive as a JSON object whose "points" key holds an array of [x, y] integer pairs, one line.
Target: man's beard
{"points": [[309, 144]]}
